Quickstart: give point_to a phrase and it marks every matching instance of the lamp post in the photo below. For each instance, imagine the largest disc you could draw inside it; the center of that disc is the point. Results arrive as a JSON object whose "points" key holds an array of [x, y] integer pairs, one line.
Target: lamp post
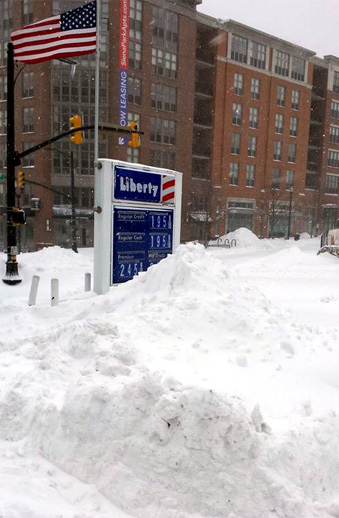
{"points": [[73, 215], [290, 213]]}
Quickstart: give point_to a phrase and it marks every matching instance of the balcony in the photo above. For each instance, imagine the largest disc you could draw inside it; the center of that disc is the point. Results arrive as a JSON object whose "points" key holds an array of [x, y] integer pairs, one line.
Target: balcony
{"points": [[203, 122], [204, 89], [201, 151], [203, 58]]}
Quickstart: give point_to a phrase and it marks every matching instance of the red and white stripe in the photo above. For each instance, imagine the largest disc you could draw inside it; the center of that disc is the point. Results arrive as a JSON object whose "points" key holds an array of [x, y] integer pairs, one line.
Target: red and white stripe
{"points": [[44, 40], [168, 189]]}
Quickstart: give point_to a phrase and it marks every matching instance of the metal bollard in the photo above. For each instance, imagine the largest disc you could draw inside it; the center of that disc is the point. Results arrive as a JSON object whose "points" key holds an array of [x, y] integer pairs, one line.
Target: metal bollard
{"points": [[54, 292], [87, 282], [34, 290]]}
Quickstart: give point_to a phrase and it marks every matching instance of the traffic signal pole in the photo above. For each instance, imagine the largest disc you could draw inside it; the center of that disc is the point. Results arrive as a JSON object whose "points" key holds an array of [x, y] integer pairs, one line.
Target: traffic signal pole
{"points": [[12, 274], [73, 216]]}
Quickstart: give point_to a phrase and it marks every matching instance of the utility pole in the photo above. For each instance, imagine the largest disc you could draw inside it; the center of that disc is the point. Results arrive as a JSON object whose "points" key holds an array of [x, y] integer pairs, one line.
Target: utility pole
{"points": [[290, 213], [12, 274], [73, 217]]}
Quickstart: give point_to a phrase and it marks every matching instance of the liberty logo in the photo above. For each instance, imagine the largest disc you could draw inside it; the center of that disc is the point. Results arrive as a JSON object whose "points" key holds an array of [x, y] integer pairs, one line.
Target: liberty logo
{"points": [[129, 185]]}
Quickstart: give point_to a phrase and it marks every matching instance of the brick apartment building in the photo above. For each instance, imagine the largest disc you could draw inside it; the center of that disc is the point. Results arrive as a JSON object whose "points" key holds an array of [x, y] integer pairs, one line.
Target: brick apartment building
{"points": [[323, 157], [227, 105], [162, 43], [261, 130]]}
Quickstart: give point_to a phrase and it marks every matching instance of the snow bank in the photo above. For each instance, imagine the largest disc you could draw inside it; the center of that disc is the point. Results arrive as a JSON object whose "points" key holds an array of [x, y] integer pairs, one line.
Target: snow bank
{"points": [[243, 236], [167, 395]]}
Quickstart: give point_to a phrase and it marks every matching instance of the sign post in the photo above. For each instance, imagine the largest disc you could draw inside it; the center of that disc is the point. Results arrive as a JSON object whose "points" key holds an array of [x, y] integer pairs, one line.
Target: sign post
{"points": [[137, 220]]}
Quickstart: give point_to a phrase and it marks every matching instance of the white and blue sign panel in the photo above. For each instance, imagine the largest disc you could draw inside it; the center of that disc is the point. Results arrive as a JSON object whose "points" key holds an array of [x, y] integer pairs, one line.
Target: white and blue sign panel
{"points": [[136, 185], [141, 237], [138, 223]]}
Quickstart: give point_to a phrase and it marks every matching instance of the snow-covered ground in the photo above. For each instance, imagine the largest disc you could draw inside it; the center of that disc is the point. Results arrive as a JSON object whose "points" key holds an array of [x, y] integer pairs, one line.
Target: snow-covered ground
{"points": [[206, 387]]}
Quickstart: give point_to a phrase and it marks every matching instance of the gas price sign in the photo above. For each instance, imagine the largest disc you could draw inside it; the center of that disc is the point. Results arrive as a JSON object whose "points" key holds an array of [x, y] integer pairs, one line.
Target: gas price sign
{"points": [[141, 237]]}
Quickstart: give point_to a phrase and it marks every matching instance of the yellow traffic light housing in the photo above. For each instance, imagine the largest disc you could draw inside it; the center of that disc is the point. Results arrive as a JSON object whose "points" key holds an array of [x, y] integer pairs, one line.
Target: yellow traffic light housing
{"points": [[135, 141], [76, 122], [21, 179]]}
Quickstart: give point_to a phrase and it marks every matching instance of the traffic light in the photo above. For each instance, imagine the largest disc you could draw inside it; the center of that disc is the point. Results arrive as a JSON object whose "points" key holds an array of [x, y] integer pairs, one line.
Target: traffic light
{"points": [[18, 217], [76, 122], [21, 179], [135, 141]]}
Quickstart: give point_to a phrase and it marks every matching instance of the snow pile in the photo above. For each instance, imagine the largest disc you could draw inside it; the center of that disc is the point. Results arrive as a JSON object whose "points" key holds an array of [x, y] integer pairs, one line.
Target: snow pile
{"points": [[185, 393], [243, 237]]}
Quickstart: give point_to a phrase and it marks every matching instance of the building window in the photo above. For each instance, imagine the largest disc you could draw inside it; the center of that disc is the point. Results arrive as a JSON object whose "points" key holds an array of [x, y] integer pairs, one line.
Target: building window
{"points": [[334, 134], [281, 95], [239, 214], [28, 160], [165, 25], [289, 179], [277, 150], [333, 158], [27, 12], [163, 97], [86, 197], [252, 146], [255, 85], [27, 84], [258, 55], [135, 34], [239, 49], [133, 117], [134, 90], [135, 19], [162, 131], [250, 175], [164, 63], [282, 63], [276, 178], [162, 159], [200, 168], [254, 117], [295, 100], [235, 147], [134, 54], [238, 83], [27, 120], [3, 88], [6, 24], [234, 173], [336, 82], [292, 151], [237, 114], [3, 122], [331, 184], [334, 110], [133, 154], [165, 38], [279, 123], [298, 68], [3, 155], [293, 126]]}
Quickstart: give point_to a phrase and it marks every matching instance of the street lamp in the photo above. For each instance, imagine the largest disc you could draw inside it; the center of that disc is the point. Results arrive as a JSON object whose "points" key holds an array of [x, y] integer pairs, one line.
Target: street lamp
{"points": [[290, 212], [73, 215]]}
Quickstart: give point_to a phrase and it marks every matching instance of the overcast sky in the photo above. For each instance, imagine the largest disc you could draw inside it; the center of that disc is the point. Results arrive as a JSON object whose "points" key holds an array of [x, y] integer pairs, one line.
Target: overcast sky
{"points": [[313, 24]]}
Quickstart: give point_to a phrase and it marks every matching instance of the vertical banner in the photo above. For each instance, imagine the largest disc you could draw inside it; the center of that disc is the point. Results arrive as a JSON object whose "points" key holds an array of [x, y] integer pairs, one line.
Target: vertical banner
{"points": [[123, 90]]}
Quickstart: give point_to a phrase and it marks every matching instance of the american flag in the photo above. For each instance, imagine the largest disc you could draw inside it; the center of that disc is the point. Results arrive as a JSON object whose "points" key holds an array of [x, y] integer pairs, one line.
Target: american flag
{"points": [[67, 35]]}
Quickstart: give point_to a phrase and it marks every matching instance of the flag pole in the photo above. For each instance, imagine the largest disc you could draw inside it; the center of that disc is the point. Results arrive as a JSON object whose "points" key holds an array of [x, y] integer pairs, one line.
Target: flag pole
{"points": [[12, 275], [99, 239], [97, 82]]}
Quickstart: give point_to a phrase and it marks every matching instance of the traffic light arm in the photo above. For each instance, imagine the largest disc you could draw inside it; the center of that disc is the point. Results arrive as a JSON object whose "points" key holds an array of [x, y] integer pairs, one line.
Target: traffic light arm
{"points": [[101, 127]]}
